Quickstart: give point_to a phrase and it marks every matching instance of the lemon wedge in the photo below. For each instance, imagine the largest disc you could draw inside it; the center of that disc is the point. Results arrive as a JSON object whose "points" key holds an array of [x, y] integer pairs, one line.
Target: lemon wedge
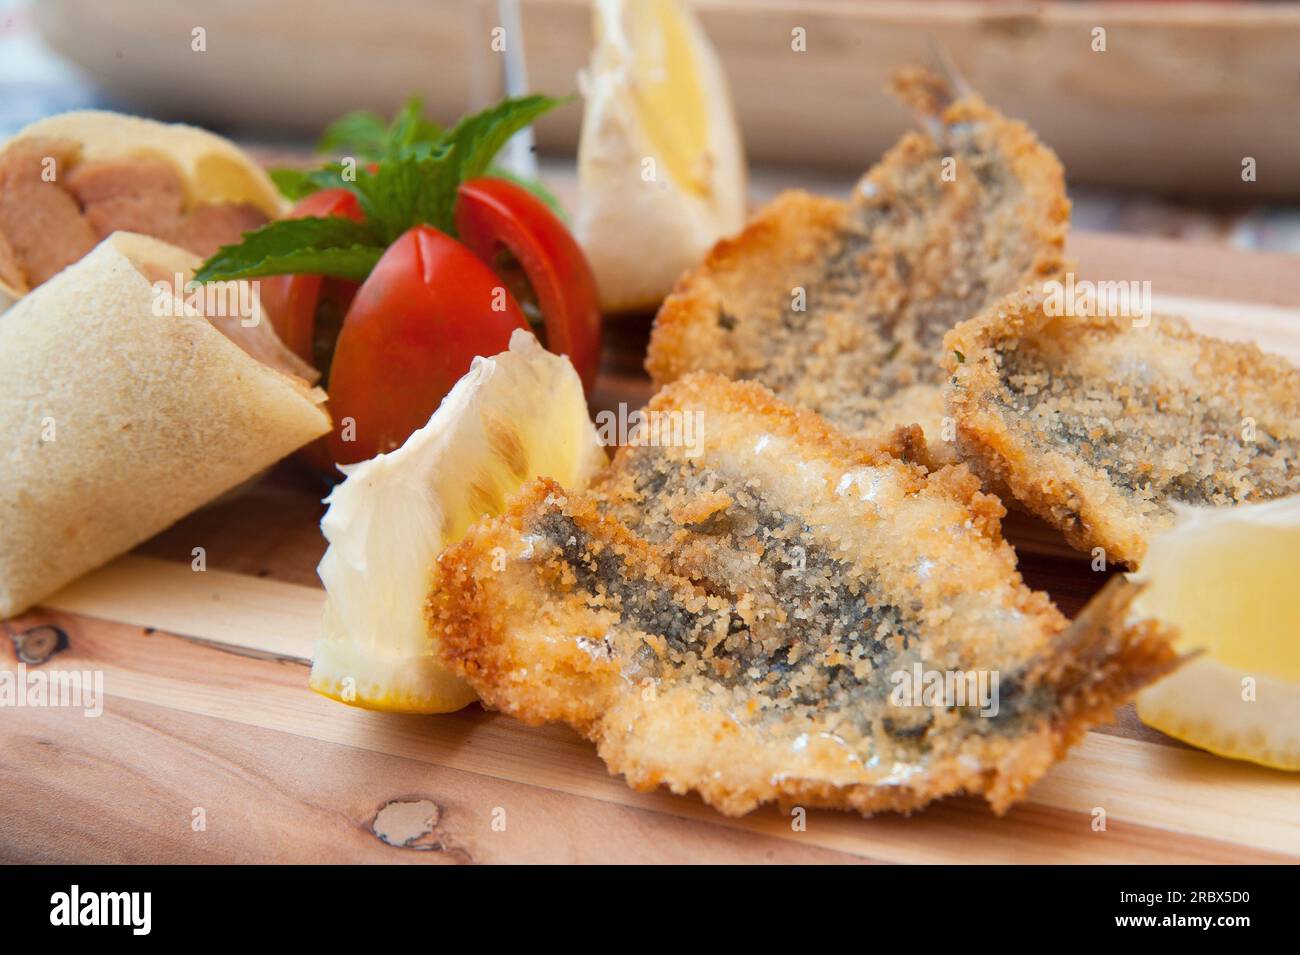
{"points": [[661, 169], [1228, 578], [513, 417]]}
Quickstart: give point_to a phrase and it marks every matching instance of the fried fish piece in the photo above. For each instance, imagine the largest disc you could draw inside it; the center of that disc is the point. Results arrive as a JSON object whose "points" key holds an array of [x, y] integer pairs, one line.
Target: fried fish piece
{"points": [[745, 609], [1101, 425], [841, 307]]}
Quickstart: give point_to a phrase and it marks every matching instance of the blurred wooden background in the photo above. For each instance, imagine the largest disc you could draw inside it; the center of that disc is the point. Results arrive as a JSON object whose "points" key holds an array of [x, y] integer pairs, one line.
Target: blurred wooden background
{"points": [[1182, 93]]}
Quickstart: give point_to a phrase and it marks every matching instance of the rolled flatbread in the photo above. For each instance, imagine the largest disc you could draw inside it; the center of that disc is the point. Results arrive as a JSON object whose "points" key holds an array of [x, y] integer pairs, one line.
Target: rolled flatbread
{"points": [[119, 420]]}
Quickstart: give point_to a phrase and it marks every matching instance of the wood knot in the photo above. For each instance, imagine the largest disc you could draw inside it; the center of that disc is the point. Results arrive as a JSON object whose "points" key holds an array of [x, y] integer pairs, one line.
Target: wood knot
{"points": [[415, 824], [37, 644]]}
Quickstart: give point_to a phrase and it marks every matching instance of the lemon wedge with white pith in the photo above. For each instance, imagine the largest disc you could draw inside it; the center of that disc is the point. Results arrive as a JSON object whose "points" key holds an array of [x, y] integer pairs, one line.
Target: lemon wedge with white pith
{"points": [[519, 415], [661, 169], [1230, 579]]}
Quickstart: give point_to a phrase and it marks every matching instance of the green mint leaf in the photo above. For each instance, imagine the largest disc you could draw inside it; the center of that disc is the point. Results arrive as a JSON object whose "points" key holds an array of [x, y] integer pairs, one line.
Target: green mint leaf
{"points": [[477, 139], [366, 137], [331, 246], [417, 169], [360, 134], [410, 134], [405, 192], [533, 186], [294, 184], [335, 175], [415, 180]]}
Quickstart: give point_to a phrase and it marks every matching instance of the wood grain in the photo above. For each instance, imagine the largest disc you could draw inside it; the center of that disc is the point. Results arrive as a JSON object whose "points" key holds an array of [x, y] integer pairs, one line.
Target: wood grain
{"points": [[269, 796], [1165, 810], [207, 705], [251, 614]]}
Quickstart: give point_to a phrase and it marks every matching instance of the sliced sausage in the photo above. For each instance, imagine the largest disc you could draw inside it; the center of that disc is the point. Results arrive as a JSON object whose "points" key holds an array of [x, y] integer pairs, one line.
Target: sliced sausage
{"points": [[130, 195], [41, 221], [50, 222], [208, 227]]}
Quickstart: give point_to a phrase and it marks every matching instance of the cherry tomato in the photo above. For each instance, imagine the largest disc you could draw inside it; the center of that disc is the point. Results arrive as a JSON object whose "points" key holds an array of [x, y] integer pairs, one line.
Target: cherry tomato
{"points": [[495, 216], [292, 302], [428, 307]]}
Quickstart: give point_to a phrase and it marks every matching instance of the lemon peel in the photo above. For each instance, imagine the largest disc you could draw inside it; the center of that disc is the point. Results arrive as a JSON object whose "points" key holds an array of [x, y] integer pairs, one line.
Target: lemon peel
{"points": [[511, 418], [1227, 577], [661, 168]]}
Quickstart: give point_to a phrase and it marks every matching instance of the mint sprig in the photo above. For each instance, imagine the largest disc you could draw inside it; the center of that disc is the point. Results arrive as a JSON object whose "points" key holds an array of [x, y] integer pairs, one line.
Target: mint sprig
{"points": [[404, 192], [365, 135], [417, 169], [295, 184], [360, 134], [477, 139], [329, 246]]}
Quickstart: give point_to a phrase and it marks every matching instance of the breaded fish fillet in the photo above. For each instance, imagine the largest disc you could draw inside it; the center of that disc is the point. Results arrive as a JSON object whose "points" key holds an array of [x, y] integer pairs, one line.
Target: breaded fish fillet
{"points": [[841, 307], [1100, 426], [738, 615]]}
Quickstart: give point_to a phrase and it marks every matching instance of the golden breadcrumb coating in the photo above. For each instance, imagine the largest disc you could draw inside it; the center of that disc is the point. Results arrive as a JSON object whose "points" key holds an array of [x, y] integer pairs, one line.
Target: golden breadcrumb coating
{"points": [[841, 307], [1100, 425], [735, 615]]}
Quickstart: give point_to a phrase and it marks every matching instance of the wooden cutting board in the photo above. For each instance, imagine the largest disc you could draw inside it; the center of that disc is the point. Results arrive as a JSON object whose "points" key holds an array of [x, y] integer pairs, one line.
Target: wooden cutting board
{"points": [[210, 747]]}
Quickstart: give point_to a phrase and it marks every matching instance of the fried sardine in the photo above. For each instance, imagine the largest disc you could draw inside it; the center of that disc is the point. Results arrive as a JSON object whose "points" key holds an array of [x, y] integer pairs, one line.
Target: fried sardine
{"points": [[746, 614], [842, 307], [1101, 425]]}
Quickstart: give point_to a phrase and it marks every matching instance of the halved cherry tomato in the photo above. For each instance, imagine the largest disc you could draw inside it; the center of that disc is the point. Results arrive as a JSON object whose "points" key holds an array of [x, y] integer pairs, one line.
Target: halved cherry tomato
{"points": [[428, 307], [495, 216], [293, 301]]}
